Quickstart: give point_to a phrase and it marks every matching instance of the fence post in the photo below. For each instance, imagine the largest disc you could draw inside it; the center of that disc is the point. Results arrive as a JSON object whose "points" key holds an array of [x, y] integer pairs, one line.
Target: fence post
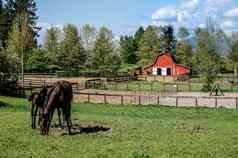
{"points": [[127, 87], [158, 101], [177, 86], [105, 99], [151, 86], [139, 100], [163, 87], [122, 100], [215, 102], [196, 102], [176, 101], [236, 102], [88, 98]]}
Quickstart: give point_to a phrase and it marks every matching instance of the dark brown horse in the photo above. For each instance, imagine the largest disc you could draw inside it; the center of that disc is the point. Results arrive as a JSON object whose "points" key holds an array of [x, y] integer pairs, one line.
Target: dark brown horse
{"points": [[60, 97], [37, 101]]}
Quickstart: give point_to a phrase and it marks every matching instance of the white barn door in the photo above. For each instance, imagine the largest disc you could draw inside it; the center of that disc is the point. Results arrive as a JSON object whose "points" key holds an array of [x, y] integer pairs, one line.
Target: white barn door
{"points": [[154, 71], [164, 71]]}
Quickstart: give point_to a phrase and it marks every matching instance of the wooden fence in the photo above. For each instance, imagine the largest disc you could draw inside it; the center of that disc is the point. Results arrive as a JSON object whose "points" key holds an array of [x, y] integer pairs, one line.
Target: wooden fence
{"points": [[177, 101], [155, 86], [35, 85]]}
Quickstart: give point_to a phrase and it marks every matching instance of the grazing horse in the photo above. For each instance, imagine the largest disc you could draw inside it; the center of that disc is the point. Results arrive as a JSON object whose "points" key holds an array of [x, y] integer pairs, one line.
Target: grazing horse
{"points": [[37, 101], [59, 96]]}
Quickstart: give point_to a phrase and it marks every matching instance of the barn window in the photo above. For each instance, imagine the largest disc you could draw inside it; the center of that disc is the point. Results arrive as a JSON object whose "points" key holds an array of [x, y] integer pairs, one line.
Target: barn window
{"points": [[159, 71]]}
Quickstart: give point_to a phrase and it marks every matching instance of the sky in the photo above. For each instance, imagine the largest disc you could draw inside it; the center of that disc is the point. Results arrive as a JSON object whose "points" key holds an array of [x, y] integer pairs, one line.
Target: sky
{"points": [[125, 16]]}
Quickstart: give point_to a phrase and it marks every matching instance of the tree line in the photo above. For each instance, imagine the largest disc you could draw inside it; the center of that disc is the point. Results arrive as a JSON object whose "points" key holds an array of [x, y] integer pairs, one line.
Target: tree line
{"points": [[207, 51]]}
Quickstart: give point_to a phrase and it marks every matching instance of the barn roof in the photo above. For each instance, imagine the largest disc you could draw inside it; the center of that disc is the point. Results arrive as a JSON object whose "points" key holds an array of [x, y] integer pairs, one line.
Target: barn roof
{"points": [[161, 54]]}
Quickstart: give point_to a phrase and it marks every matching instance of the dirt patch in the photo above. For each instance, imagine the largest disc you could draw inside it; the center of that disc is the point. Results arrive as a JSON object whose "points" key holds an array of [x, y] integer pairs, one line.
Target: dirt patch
{"points": [[80, 129], [197, 129]]}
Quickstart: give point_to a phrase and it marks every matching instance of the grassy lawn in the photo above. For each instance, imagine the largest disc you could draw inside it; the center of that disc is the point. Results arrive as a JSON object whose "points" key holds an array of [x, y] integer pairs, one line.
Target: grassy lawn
{"points": [[159, 86], [136, 132], [151, 86]]}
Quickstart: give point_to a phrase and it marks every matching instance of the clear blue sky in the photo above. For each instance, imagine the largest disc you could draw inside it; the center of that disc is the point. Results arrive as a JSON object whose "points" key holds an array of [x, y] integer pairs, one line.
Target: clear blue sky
{"points": [[119, 15], [124, 16]]}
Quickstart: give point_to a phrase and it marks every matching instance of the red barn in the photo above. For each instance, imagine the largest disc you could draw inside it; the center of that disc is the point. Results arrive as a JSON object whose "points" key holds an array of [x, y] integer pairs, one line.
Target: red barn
{"points": [[165, 65]]}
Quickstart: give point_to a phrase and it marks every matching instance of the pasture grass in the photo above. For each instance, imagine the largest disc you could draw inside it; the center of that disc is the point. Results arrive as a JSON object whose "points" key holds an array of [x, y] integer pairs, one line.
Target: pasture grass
{"points": [[136, 132]]}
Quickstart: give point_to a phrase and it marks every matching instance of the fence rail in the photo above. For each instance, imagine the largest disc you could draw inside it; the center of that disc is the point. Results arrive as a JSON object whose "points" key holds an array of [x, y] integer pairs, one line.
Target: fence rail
{"points": [[177, 101], [156, 86], [34, 85]]}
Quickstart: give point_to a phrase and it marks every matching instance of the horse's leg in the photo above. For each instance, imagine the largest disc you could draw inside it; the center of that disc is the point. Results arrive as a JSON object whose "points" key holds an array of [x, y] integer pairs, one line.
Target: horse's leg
{"points": [[32, 116], [34, 110], [40, 116], [35, 114], [49, 121], [67, 112], [59, 116]]}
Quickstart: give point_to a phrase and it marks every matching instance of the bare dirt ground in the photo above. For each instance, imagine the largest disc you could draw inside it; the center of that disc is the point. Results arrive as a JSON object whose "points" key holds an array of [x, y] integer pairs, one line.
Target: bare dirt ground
{"points": [[151, 98]]}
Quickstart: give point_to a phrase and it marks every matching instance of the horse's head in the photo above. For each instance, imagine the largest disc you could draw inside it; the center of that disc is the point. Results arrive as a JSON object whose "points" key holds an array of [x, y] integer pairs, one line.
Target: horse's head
{"points": [[45, 123], [46, 93]]}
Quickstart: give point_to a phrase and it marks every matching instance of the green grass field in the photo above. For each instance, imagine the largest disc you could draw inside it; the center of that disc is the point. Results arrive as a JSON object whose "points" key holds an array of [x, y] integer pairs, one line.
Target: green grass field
{"points": [[158, 86], [136, 132]]}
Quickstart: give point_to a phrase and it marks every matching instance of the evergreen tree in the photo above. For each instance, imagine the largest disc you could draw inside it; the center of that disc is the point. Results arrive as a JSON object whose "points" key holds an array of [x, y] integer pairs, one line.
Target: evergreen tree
{"points": [[51, 43], [103, 50], [149, 46], [184, 48], [14, 8], [4, 26], [72, 53], [168, 41], [138, 35], [20, 38], [88, 35], [128, 50]]}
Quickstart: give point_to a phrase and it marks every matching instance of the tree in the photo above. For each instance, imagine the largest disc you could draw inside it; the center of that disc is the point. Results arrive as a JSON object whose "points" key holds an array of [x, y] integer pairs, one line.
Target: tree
{"points": [[20, 40], [138, 35], [128, 50], [103, 50], [20, 37], [38, 62], [183, 33], [184, 48], [14, 8], [71, 54], [88, 35], [149, 46], [167, 39], [51, 43], [233, 53], [4, 26], [206, 58]]}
